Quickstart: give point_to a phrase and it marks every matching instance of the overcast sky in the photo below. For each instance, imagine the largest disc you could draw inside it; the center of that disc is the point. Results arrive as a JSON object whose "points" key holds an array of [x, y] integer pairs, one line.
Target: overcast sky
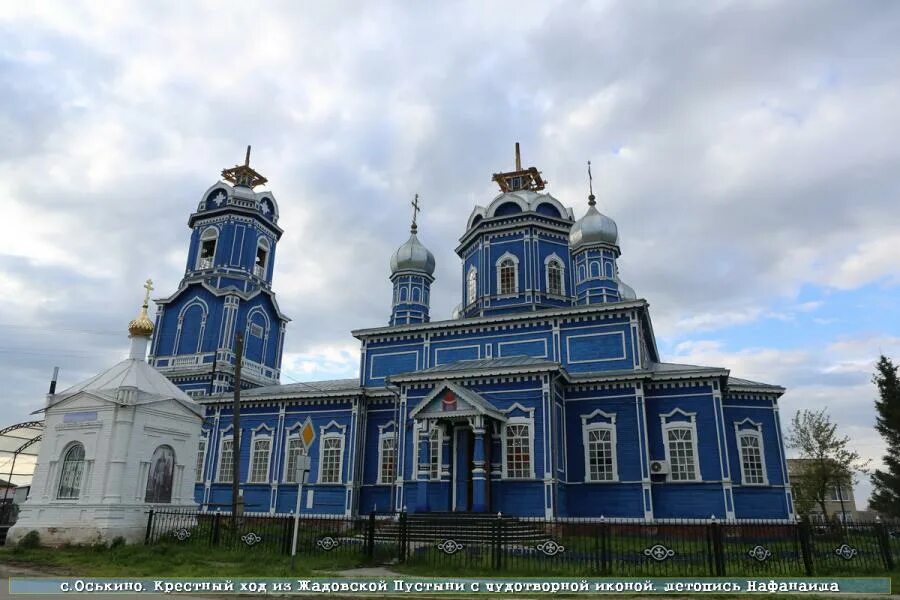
{"points": [[748, 152]]}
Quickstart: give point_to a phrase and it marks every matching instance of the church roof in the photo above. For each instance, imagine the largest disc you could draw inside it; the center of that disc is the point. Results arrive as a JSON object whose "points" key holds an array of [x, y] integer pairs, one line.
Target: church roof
{"points": [[130, 382], [742, 385], [483, 365], [304, 388]]}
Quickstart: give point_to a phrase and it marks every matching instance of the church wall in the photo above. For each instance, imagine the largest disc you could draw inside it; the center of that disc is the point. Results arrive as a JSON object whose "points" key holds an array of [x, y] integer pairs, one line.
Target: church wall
{"points": [[597, 346], [385, 359], [688, 501], [611, 500]]}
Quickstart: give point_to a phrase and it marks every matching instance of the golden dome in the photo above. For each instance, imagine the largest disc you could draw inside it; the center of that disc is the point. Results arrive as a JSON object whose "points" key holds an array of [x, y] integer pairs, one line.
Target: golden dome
{"points": [[142, 326]]}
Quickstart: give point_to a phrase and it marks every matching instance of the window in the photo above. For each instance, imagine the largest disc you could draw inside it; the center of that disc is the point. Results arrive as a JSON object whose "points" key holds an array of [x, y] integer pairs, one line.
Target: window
{"points": [[226, 460], [682, 457], [259, 460], [434, 453], [72, 472], [507, 280], [839, 493], [207, 254], [159, 480], [387, 460], [262, 258], [518, 451], [752, 467], [601, 453], [295, 449], [330, 462], [201, 457], [595, 269], [555, 278], [472, 286]]}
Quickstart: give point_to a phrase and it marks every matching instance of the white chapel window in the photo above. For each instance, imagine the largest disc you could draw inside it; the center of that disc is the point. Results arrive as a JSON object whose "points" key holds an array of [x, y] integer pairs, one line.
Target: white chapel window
{"points": [[259, 459], [295, 449], [332, 452], [71, 473], [518, 451], [752, 467], [472, 286], [682, 453], [207, 254], [226, 460]]}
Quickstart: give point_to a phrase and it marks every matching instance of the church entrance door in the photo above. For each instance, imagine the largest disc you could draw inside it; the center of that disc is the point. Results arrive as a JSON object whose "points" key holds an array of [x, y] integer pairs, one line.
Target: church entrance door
{"points": [[462, 469]]}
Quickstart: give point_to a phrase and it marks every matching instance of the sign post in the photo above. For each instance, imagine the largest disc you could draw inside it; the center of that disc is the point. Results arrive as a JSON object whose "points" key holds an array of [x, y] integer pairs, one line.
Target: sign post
{"points": [[301, 473]]}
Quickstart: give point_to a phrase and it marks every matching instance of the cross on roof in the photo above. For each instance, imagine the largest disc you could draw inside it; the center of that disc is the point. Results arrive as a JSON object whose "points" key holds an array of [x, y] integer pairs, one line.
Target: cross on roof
{"points": [[416, 209], [591, 197], [148, 285]]}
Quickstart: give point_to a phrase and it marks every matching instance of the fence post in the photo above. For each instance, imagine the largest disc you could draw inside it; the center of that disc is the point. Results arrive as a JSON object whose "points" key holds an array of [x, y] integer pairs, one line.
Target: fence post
{"points": [[498, 541], [215, 528], [149, 527], [718, 547], [884, 541], [805, 545], [604, 546], [402, 537], [370, 536]]}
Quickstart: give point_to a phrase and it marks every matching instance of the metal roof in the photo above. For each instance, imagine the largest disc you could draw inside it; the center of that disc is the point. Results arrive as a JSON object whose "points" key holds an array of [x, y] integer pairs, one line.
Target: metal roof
{"points": [[300, 389]]}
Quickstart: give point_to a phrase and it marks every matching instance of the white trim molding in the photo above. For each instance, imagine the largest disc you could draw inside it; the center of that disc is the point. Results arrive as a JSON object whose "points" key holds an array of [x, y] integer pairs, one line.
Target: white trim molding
{"points": [[586, 428], [261, 432], [690, 425], [562, 275], [751, 429], [497, 266]]}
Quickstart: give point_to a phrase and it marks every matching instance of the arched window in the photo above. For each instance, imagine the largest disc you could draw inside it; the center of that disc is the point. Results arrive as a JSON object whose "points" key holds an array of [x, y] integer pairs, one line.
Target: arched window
{"points": [[507, 279], [595, 269], [403, 294], [416, 295], [207, 254], [608, 269], [159, 480], [262, 258], [71, 473], [555, 278], [472, 286]]}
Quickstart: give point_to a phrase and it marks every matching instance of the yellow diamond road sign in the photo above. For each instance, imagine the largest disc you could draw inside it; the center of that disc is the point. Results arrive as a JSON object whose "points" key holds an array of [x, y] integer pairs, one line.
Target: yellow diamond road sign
{"points": [[308, 434]]}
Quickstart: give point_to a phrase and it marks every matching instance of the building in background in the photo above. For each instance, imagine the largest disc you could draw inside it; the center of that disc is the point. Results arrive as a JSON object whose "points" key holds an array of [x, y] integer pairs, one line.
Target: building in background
{"points": [[840, 502], [544, 395]]}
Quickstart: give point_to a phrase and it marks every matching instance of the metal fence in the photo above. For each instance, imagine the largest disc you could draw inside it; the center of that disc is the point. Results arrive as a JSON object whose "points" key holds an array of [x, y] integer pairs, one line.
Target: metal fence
{"points": [[481, 543]]}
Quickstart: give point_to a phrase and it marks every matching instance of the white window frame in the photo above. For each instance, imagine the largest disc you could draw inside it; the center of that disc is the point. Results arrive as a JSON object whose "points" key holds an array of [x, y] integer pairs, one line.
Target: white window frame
{"points": [[200, 468], [62, 470], [210, 233], [586, 428], [385, 432], [553, 258], [529, 422], [472, 285], [260, 433], [439, 442], [225, 436], [343, 447], [507, 256], [755, 432], [304, 451], [260, 270], [691, 425]]}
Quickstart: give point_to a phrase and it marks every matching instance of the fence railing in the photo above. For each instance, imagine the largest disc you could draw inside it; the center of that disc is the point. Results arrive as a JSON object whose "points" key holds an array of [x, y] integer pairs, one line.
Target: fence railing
{"points": [[474, 543]]}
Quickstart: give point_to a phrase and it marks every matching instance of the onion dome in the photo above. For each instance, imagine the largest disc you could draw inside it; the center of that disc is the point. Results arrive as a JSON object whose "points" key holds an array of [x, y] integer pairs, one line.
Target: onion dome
{"points": [[626, 292], [142, 326], [412, 256], [593, 228]]}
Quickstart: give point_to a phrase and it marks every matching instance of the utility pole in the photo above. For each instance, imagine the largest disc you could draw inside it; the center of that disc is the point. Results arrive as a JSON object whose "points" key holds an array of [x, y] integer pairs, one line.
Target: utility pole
{"points": [[237, 503]]}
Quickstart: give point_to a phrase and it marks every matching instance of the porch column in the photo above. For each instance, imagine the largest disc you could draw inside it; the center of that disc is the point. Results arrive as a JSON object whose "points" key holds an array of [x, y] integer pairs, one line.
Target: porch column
{"points": [[479, 475], [424, 467]]}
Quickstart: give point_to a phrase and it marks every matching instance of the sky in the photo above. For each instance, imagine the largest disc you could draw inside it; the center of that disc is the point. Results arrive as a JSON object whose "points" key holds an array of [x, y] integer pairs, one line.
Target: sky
{"points": [[747, 151]]}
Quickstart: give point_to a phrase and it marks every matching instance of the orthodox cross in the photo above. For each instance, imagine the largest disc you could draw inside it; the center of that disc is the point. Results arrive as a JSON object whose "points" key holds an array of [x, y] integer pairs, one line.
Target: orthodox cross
{"points": [[416, 209], [148, 285], [591, 198]]}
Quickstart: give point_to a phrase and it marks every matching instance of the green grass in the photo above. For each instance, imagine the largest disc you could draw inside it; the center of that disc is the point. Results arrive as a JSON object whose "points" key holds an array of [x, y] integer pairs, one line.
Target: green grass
{"points": [[170, 560]]}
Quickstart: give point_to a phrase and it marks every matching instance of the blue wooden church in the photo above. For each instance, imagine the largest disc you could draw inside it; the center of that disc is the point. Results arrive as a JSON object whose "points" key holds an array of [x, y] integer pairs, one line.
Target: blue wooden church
{"points": [[544, 395]]}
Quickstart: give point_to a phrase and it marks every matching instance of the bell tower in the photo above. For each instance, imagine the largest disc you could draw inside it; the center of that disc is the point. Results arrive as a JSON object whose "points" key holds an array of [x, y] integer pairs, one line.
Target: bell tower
{"points": [[226, 288]]}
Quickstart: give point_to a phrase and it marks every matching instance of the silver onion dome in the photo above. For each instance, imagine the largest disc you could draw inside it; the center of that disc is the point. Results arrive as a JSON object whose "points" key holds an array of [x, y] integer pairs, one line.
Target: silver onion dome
{"points": [[412, 256], [626, 292], [593, 228]]}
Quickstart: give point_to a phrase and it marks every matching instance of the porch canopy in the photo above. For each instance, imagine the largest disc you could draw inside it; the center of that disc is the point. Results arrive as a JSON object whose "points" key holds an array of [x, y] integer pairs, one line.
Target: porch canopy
{"points": [[451, 401]]}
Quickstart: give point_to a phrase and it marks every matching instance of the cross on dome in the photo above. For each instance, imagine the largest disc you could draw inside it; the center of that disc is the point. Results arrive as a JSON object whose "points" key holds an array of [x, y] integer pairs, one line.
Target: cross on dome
{"points": [[416, 209]]}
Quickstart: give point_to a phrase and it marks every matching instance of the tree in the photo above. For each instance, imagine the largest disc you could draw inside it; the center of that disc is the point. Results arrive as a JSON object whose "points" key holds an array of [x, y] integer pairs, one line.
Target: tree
{"points": [[886, 483], [828, 461]]}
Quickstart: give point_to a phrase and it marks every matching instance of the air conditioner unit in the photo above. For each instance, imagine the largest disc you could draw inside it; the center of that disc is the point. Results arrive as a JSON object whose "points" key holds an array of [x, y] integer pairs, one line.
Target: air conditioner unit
{"points": [[659, 467]]}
